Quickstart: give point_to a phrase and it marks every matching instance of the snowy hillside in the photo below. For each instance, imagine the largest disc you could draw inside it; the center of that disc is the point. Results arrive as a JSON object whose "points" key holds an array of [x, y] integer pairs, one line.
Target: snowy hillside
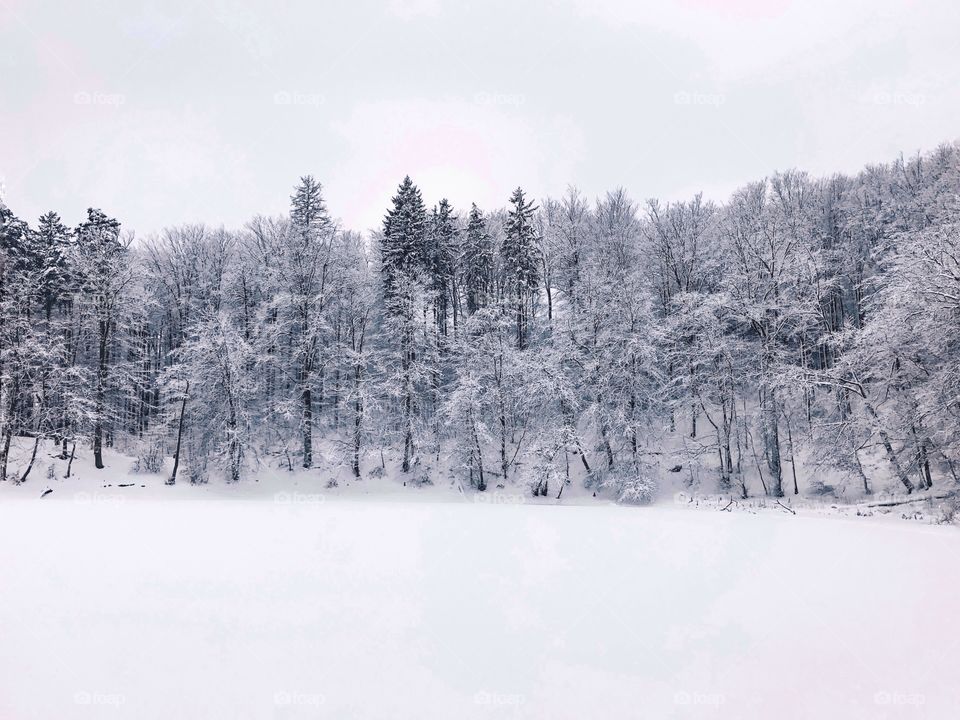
{"points": [[269, 478]]}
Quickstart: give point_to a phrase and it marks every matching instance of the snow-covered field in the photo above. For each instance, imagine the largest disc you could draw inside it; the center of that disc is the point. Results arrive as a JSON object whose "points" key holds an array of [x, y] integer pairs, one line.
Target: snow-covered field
{"points": [[242, 603]]}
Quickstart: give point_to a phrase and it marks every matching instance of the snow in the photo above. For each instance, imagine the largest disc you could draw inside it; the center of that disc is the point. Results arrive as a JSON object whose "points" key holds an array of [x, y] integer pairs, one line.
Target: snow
{"points": [[274, 600]]}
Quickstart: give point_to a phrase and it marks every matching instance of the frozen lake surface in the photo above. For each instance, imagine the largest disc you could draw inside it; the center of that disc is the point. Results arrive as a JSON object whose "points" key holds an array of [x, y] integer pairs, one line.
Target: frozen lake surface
{"points": [[371, 609]]}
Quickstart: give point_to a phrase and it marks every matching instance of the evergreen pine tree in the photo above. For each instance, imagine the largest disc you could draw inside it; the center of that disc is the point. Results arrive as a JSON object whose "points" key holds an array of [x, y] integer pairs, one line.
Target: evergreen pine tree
{"points": [[104, 275], [402, 245], [305, 278], [308, 211], [439, 248], [477, 262], [402, 249], [521, 260], [17, 243], [13, 264], [53, 246]]}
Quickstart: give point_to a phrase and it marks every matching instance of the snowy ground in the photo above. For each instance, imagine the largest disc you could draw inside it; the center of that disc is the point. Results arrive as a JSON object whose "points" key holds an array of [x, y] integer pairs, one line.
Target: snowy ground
{"points": [[246, 602]]}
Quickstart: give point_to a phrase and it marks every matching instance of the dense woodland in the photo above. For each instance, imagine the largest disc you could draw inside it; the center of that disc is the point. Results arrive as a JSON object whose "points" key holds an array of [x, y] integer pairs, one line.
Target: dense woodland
{"points": [[554, 341]]}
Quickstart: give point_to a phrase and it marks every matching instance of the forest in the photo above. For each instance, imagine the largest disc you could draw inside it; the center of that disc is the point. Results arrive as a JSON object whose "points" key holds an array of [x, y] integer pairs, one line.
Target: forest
{"points": [[803, 336]]}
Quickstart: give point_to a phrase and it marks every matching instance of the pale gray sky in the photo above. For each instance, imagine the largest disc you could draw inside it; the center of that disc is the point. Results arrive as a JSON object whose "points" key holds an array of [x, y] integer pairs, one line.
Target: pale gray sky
{"points": [[168, 112]]}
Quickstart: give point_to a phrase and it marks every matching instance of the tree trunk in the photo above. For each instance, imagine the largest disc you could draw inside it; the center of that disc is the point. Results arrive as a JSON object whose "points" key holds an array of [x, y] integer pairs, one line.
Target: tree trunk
{"points": [[793, 456], [771, 437], [482, 485], [888, 447], [33, 457], [408, 427], [5, 450], [583, 459], [234, 451], [73, 454], [357, 419], [13, 392], [503, 440], [101, 398], [863, 475], [923, 460], [407, 393], [307, 425], [502, 415], [608, 449], [549, 306], [176, 452]]}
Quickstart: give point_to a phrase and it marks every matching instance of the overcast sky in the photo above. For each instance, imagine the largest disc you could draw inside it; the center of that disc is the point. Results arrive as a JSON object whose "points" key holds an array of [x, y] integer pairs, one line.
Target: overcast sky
{"points": [[169, 112]]}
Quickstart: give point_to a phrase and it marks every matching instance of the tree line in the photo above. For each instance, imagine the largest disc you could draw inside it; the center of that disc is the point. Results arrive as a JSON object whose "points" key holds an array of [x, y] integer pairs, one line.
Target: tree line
{"points": [[807, 328]]}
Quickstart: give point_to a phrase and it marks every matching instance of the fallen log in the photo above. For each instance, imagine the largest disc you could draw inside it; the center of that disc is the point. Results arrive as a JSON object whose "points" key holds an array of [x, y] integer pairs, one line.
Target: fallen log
{"points": [[788, 509], [894, 503]]}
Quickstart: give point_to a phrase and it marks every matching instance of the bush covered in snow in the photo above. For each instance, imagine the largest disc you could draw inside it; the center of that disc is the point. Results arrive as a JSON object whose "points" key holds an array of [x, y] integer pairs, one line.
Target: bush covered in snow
{"points": [[635, 486], [422, 479], [949, 511], [150, 453]]}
